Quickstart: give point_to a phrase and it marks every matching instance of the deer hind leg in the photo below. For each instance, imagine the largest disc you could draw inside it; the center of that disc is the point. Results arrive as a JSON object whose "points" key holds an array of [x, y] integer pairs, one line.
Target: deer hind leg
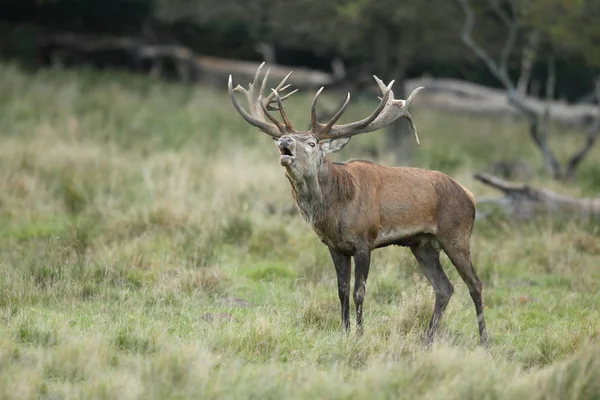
{"points": [[429, 257], [460, 255], [362, 262]]}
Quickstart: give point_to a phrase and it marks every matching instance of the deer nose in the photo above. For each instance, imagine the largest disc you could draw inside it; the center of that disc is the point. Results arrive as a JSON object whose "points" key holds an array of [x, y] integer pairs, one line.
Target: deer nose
{"points": [[285, 141]]}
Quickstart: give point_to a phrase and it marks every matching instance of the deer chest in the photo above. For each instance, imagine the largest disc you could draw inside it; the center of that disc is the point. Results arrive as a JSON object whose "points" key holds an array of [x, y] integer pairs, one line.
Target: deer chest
{"points": [[333, 239]]}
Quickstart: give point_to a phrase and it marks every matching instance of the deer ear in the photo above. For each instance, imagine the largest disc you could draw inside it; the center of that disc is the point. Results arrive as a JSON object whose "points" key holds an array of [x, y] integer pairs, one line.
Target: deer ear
{"points": [[334, 145]]}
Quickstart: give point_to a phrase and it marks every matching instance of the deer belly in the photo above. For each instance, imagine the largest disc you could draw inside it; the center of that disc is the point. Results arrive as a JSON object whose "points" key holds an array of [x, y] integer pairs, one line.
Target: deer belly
{"points": [[396, 235]]}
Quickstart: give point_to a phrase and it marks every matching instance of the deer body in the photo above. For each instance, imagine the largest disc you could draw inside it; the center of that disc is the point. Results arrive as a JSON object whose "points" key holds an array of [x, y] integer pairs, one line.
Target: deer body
{"points": [[359, 206], [393, 205]]}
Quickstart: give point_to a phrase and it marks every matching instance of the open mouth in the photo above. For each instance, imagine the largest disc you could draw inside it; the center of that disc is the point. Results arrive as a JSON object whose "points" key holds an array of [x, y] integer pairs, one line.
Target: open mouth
{"points": [[287, 158]]}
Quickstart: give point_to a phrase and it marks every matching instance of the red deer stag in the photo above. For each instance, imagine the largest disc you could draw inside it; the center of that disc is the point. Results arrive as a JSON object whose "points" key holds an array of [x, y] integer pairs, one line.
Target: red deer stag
{"points": [[358, 206]]}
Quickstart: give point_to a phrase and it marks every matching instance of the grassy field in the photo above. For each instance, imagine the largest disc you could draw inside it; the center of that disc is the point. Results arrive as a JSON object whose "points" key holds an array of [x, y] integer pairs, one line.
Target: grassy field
{"points": [[147, 252]]}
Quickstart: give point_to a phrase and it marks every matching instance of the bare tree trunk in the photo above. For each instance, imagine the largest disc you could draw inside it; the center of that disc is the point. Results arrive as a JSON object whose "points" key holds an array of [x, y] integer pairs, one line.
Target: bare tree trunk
{"points": [[57, 60], [398, 132], [267, 50], [400, 141], [527, 59], [593, 132], [398, 135], [543, 125], [338, 69], [157, 68]]}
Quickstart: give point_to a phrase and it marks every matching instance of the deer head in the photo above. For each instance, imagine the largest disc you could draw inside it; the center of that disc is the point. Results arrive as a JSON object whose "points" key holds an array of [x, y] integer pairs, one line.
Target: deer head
{"points": [[302, 152]]}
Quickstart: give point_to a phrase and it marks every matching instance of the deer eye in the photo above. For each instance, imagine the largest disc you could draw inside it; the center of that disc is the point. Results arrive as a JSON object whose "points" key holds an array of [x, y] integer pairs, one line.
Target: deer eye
{"points": [[311, 144]]}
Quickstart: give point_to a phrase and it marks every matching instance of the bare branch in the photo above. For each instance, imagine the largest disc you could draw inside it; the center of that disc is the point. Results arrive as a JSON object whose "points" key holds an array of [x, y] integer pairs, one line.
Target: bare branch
{"points": [[497, 70], [593, 132], [541, 132], [540, 126], [550, 83], [499, 183], [518, 102], [578, 157], [513, 29], [466, 36], [527, 59], [508, 47], [539, 136], [504, 16]]}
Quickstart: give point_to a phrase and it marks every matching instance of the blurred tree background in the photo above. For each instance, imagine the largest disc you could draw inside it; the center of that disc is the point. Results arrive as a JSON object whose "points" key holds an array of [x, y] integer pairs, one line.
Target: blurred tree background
{"points": [[392, 39], [544, 48]]}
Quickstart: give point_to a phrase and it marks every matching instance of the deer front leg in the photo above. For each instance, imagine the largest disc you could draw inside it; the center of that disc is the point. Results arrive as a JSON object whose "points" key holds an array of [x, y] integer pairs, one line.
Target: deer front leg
{"points": [[342, 269], [362, 261]]}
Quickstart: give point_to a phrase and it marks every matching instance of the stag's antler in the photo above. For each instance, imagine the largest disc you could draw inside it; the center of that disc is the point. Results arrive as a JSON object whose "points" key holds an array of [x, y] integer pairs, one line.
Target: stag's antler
{"points": [[388, 110], [259, 107]]}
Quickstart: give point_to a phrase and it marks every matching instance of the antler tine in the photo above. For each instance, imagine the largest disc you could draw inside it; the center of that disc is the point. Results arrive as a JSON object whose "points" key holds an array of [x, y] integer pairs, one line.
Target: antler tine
{"points": [[381, 85], [264, 104], [313, 112], [409, 117], [279, 125], [256, 116], [337, 115], [407, 102], [328, 130], [283, 98], [268, 100], [289, 94], [284, 116], [256, 75], [388, 110], [278, 87], [264, 81], [413, 127], [240, 89]]}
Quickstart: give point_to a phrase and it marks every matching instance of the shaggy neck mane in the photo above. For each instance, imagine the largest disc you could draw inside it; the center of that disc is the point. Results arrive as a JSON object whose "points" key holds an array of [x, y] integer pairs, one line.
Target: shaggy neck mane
{"points": [[316, 195], [336, 182]]}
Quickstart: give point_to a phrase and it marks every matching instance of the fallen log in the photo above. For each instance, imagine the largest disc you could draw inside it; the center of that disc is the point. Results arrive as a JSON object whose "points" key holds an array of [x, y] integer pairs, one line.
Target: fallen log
{"points": [[164, 60], [245, 70], [456, 95], [521, 201]]}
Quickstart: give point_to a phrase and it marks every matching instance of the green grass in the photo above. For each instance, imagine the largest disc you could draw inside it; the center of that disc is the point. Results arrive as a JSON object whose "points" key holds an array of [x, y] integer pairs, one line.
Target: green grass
{"points": [[146, 252]]}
